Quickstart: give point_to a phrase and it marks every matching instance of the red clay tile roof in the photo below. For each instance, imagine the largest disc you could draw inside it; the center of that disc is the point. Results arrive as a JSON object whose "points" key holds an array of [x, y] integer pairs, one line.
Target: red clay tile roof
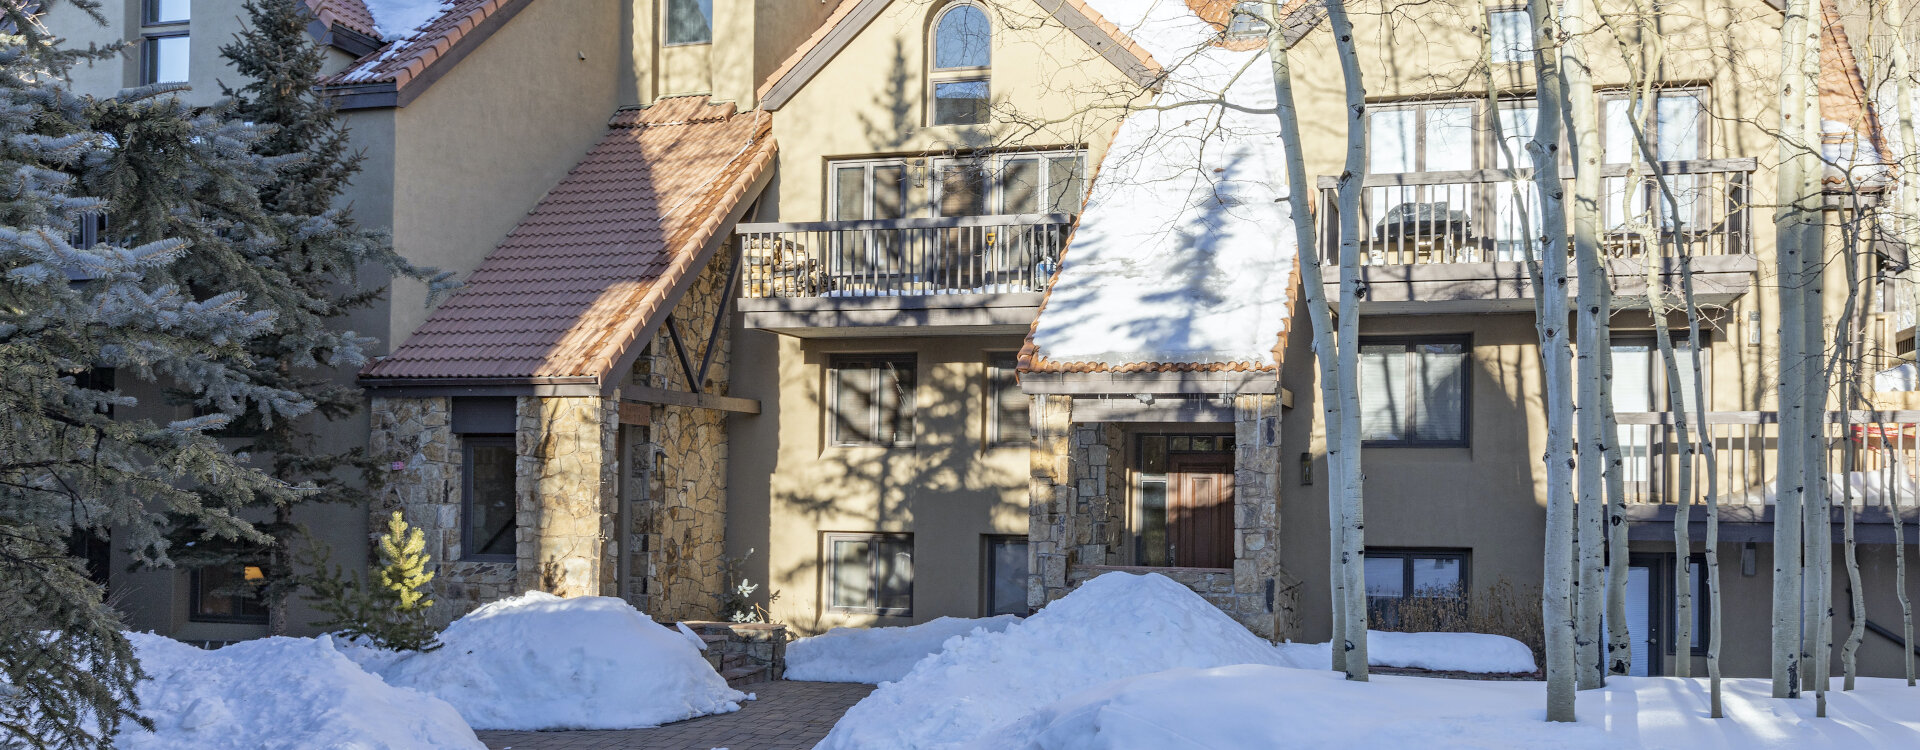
{"points": [[352, 14], [1843, 91], [603, 255], [403, 60], [846, 7]]}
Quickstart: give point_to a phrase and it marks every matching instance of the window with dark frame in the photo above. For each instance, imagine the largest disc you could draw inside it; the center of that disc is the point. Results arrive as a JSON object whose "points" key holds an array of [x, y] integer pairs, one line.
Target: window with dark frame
{"points": [[1395, 577], [227, 593], [870, 573], [163, 58], [872, 399], [1413, 392], [167, 11], [962, 50], [487, 506], [689, 21], [1008, 412], [1006, 575]]}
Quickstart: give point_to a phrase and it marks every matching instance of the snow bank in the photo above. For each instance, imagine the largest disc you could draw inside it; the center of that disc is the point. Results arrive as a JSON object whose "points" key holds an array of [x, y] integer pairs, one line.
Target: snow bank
{"points": [[1478, 653], [278, 693], [537, 661], [1115, 626], [1260, 706], [875, 655]]}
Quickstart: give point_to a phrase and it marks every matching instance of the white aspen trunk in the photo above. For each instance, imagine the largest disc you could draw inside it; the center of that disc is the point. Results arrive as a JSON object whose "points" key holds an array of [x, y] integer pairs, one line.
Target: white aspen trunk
{"points": [[1556, 602], [1619, 638], [1592, 314], [1791, 464], [1817, 551], [1326, 348], [1715, 704], [1353, 517], [1850, 341], [1908, 222]]}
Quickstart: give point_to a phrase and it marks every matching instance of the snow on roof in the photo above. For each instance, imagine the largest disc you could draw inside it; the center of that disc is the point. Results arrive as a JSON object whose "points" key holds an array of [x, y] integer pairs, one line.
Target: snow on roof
{"points": [[1184, 256], [397, 19]]}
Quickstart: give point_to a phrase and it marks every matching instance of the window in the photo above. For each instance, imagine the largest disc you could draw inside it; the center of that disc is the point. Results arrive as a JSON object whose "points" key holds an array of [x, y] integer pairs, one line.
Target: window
{"points": [[1640, 385], [164, 59], [1675, 129], [1008, 407], [1413, 391], [962, 54], [168, 11], [870, 573], [1006, 575], [1510, 34], [227, 594], [1397, 579], [1020, 182], [1248, 21], [487, 508], [1420, 138], [689, 21], [871, 399]]}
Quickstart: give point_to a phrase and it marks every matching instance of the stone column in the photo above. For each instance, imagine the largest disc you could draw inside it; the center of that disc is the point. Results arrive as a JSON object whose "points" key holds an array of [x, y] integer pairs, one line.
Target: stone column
{"points": [[1050, 500], [563, 491], [1265, 594]]}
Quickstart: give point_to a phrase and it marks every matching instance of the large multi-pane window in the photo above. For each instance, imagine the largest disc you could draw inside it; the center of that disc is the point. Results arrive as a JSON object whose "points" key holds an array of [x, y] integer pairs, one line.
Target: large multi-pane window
{"points": [[1008, 182], [1414, 391], [1397, 579], [1008, 409], [962, 52], [870, 573], [689, 21], [1006, 575], [487, 507], [1640, 384], [1671, 126], [871, 399]]}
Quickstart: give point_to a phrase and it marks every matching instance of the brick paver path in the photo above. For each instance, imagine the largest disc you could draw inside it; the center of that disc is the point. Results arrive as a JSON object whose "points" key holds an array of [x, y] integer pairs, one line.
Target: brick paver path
{"points": [[787, 716]]}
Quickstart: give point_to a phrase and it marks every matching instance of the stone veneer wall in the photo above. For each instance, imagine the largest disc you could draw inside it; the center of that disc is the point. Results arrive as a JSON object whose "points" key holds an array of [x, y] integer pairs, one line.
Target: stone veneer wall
{"points": [[417, 435], [564, 482], [1077, 515], [677, 517]]}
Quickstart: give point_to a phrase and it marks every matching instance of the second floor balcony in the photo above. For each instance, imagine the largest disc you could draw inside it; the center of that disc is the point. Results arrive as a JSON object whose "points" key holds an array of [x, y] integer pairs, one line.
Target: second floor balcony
{"points": [[1460, 241], [962, 274]]}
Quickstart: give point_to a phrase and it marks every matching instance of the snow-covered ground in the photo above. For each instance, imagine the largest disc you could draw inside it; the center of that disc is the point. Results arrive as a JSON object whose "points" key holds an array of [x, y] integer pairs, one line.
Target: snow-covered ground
{"points": [[538, 661], [1439, 652], [876, 655], [1260, 706], [278, 693]]}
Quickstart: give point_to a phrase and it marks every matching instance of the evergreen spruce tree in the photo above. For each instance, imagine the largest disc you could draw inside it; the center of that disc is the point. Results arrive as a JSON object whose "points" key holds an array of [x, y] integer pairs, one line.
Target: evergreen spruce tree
{"points": [[254, 183], [68, 462]]}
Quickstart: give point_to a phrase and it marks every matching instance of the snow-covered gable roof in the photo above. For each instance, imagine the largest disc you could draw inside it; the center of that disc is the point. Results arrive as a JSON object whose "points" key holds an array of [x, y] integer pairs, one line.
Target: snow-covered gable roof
{"points": [[1184, 257], [423, 39]]}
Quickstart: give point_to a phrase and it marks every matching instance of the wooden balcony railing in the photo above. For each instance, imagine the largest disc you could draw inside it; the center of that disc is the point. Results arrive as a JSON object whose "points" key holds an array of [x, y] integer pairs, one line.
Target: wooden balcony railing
{"points": [[1490, 215], [902, 257], [1875, 453]]}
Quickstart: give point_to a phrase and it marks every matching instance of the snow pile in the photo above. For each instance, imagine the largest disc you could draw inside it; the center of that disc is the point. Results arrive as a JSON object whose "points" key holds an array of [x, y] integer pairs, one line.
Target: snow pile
{"points": [[1185, 250], [1898, 378], [278, 693], [1115, 626], [538, 661], [397, 19], [1477, 653], [1867, 487], [1261, 706], [875, 655]]}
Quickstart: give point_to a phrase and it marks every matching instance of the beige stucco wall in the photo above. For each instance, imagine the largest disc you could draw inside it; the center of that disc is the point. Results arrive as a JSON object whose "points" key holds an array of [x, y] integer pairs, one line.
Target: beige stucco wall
{"points": [[750, 39], [214, 24]]}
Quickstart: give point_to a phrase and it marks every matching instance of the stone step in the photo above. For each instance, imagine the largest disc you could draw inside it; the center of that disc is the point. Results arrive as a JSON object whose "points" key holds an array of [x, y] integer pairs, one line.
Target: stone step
{"points": [[738, 676]]}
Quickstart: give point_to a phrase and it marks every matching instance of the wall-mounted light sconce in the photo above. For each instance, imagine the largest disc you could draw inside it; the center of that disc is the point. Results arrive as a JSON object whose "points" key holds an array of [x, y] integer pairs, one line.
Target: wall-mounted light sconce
{"points": [[1306, 469], [1753, 328], [1749, 559]]}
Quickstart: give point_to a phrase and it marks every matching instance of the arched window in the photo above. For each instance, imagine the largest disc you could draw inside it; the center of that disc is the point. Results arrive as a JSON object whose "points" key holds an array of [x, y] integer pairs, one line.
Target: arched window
{"points": [[962, 52]]}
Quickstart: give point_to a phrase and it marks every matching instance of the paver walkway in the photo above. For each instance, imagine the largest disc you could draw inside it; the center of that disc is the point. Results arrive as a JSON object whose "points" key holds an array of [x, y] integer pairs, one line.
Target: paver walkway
{"points": [[787, 716]]}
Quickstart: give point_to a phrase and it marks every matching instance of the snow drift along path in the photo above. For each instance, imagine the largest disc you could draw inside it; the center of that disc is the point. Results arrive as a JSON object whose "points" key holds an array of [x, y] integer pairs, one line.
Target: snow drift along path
{"points": [[538, 661], [278, 693], [1480, 653], [876, 655], [1258, 706], [1115, 626]]}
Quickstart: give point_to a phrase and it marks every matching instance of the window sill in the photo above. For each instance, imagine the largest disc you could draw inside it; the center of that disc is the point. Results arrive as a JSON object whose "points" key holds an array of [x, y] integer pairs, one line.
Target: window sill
{"points": [[673, 45], [166, 24], [489, 559]]}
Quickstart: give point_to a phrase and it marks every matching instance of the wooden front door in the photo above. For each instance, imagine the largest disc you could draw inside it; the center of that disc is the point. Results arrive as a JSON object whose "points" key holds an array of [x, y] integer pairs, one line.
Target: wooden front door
{"points": [[1200, 511]]}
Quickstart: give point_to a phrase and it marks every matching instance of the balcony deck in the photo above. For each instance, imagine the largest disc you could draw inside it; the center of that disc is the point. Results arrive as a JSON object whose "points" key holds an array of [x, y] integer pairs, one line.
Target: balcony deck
{"points": [[949, 276], [1441, 242]]}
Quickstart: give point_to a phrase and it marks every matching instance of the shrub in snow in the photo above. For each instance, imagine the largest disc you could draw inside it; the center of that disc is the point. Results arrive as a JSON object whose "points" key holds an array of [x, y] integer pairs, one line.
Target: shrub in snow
{"points": [[1115, 626], [279, 693], [875, 655], [538, 661]]}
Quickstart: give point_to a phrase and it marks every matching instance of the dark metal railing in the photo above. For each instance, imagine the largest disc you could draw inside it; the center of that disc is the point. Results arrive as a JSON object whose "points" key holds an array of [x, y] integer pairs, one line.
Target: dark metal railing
{"points": [[1491, 215], [901, 257]]}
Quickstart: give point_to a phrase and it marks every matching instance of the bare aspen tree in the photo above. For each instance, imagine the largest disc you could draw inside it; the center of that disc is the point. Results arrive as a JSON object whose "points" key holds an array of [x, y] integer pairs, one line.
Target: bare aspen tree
{"points": [[1584, 132], [1556, 602], [1788, 247], [1817, 528], [1349, 487], [1908, 222], [1326, 348]]}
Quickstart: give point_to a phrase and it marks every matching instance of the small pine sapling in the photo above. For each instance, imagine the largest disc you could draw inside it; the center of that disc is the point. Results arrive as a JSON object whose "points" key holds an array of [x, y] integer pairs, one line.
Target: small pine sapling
{"points": [[391, 614]]}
